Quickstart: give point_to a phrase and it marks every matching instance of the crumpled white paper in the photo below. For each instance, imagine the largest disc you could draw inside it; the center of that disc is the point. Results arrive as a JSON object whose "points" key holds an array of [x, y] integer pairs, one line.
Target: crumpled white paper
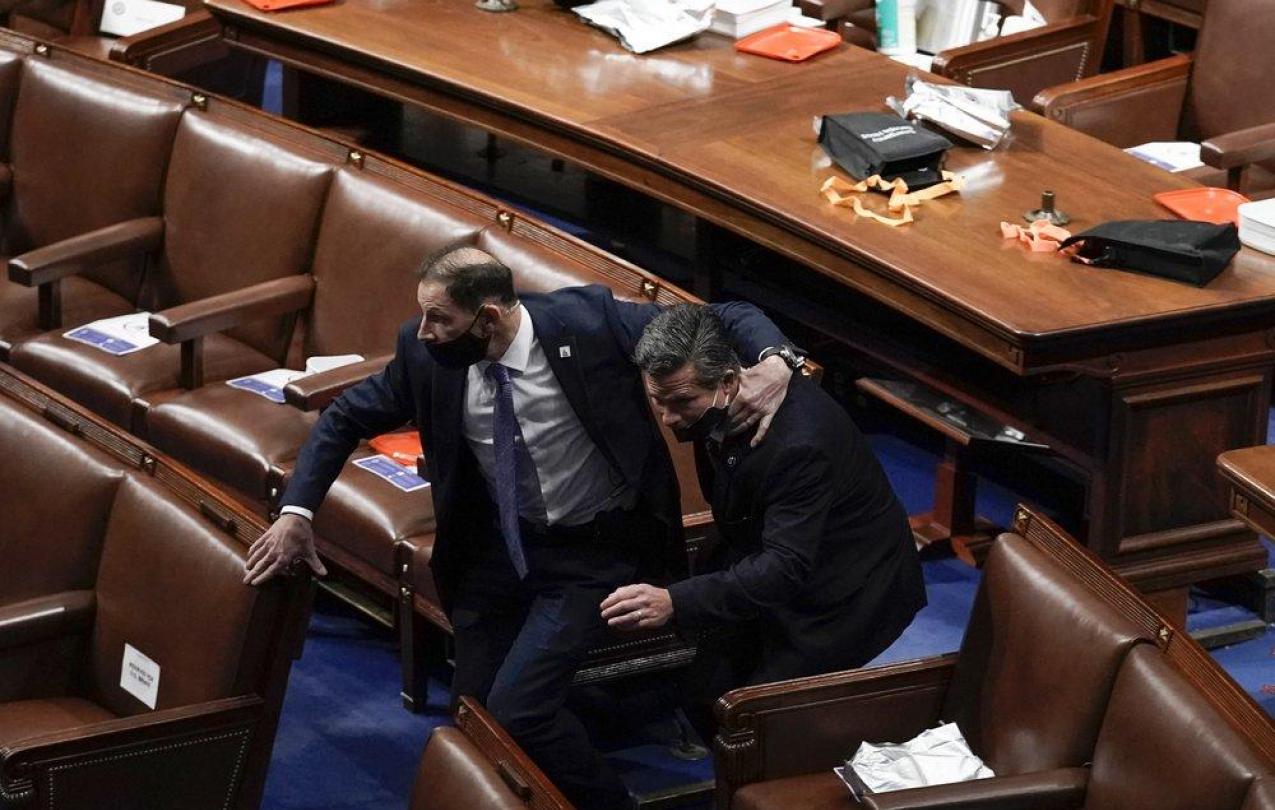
{"points": [[644, 25], [938, 756], [979, 116]]}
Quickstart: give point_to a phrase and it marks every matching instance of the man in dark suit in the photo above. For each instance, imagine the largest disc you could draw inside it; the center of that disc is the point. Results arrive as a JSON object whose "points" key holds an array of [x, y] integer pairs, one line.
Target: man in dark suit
{"points": [[817, 570], [552, 484]]}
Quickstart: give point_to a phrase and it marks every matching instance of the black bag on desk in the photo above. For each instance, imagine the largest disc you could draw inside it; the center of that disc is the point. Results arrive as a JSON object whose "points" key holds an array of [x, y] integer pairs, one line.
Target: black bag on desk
{"points": [[868, 143], [1183, 250]]}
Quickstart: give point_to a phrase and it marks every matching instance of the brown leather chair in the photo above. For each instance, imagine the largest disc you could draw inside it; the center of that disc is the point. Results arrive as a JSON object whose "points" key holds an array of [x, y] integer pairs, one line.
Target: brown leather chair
{"points": [[477, 765], [225, 264], [1221, 95], [1068, 47], [56, 186], [147, 555], [1028, 688], [1165, 744]]}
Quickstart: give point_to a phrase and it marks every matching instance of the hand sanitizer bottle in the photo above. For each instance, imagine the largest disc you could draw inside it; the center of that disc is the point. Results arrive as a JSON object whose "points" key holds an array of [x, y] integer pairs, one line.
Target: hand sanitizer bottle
{"points": [[896, 27]]}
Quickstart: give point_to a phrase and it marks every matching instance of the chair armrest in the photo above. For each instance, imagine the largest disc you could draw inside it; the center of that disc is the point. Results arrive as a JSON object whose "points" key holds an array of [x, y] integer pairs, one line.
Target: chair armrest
{"points": [[196, 28], [87, 250], [1061, 789], [219, 732], [1125, 107], [1235, 150], [217, 313], [1028, 61], [315, 391], [811, 724], [45, 617]]}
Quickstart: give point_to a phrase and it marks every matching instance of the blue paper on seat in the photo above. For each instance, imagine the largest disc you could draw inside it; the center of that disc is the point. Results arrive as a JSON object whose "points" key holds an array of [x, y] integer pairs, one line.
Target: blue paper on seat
{"points": [[390, 470]]}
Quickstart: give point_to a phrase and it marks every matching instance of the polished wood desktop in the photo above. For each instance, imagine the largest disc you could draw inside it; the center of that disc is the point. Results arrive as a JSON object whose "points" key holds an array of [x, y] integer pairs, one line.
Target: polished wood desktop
{"points": [[1137, 383]]}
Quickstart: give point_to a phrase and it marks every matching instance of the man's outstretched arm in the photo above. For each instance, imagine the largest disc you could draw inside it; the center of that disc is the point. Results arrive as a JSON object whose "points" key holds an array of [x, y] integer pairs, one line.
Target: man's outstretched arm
{"points": [[379, 404]]}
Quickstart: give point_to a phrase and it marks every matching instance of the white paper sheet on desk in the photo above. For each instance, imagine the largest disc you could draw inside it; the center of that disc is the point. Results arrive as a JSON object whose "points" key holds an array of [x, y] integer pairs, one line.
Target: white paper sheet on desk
{"points": [[1172, 156], [644, 25], [123, 18], [269, 384], [937, 756]]}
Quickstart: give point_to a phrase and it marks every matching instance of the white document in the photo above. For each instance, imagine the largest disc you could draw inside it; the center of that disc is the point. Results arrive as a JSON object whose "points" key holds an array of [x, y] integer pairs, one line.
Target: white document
{"points": [[937, 756], [1017, 23], [118, 336], [124, 18], [1172, 156], [139, 676], [269, 384], [644, 25]]}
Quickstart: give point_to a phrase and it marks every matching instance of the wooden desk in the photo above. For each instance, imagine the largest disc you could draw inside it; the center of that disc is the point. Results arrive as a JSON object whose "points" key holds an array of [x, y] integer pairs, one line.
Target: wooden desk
{"points": [[1138, 383], [1250, 474]]}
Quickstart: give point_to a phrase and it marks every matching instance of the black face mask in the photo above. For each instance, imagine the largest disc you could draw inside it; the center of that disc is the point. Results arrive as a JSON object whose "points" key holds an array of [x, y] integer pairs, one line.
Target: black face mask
{"points": [[699, 430], [462, 351]]}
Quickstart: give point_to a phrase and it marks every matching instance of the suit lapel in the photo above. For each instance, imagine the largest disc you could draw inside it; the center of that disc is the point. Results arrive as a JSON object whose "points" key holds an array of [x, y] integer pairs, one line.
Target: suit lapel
{"points": [[563, 355], [447, 419]]}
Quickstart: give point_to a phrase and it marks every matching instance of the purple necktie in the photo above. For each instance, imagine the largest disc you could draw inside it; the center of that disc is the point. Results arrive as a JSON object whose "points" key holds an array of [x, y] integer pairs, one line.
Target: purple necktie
{"points": [[504, 432]]}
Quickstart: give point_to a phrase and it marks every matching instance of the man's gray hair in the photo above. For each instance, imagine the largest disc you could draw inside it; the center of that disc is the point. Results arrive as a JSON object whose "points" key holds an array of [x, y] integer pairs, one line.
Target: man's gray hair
{"points": [[686, 333]]}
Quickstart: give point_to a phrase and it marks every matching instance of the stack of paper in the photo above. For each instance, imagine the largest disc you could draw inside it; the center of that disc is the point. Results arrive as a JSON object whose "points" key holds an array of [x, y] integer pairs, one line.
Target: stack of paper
{"points": [[1172, 156], [1257, 225], [739, 18]]}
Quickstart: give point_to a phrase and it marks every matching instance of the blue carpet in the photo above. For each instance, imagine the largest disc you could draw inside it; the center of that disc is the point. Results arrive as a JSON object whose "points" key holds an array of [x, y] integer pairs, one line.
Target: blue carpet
{"points": [[346, 743]]}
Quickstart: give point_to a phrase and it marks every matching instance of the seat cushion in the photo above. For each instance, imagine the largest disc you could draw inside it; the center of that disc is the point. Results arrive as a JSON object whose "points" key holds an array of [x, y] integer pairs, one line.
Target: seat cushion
{"points": [[234, 436], [21, 719], [109, 385], [817, 791], [364, 517], [82, 301]]}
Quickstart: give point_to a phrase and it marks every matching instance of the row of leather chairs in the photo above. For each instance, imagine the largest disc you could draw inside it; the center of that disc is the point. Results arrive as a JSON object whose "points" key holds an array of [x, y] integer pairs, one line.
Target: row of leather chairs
{"points": [[255, 244], [1067, 684], [121, 567]]}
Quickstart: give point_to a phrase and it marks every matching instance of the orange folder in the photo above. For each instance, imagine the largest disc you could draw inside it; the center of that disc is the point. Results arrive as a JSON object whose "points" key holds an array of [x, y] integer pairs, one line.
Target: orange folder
{"points": [[281, 5], [403, 447]]}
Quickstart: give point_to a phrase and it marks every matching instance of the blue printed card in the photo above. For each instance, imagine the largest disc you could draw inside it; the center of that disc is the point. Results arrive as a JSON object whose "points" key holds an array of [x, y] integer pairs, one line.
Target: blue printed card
{"points": [[389, 470]]}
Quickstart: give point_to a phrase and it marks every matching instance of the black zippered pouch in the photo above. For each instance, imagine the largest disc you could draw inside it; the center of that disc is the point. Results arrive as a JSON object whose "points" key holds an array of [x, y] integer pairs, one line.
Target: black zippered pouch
{"points": [[868, 143], [1182, 250]]}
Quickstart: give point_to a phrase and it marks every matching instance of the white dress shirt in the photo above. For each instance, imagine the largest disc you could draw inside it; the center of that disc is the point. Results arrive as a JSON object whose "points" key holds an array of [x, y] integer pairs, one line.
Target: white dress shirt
{"points": [[576, 482]]}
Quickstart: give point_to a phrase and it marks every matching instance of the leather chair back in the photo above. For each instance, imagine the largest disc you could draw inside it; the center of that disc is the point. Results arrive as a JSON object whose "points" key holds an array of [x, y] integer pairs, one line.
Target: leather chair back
{"points": [[454, 773], [371, 242], [1024, 713], [1231, 87], [65, 185], [55, 490], [1163, 745], [10, 76], [240, 208], [170, 585]]}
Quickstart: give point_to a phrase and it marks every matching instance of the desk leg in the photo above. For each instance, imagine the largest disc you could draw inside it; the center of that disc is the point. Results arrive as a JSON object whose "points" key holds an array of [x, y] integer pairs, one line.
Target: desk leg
{"points": [[953, 519]]}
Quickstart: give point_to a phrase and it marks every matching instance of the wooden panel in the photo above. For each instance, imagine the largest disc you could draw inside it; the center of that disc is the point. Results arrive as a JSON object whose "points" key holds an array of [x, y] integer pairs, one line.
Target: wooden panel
{"points": [[1171, 440]]}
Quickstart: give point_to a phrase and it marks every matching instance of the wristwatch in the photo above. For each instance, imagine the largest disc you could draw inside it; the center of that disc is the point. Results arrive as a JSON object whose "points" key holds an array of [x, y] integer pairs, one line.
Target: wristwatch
{"points": [[792, 356]]}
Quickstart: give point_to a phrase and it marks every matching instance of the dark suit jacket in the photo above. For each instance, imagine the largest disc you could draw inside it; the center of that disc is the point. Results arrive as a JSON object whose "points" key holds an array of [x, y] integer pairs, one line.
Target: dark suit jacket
{"points": [[588, 338], [816, 552]]}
